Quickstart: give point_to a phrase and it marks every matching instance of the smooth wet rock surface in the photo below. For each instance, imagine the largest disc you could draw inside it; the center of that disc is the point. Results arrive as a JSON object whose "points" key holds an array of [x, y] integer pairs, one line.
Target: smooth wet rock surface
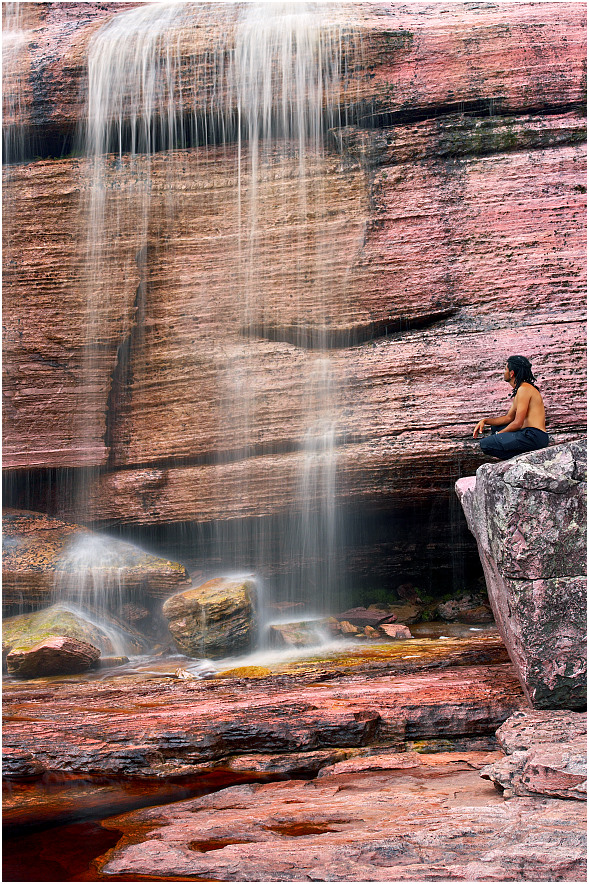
{"points": [[392, 818], [529, 516]]}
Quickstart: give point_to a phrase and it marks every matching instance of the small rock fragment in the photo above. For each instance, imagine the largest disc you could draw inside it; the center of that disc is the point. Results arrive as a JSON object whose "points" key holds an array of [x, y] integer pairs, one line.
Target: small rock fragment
{"points": [[395, 630]]}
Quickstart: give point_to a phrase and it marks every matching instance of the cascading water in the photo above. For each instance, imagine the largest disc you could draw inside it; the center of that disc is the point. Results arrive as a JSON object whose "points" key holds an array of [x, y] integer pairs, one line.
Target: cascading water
{"points": [[15, 39], [259, 84]]}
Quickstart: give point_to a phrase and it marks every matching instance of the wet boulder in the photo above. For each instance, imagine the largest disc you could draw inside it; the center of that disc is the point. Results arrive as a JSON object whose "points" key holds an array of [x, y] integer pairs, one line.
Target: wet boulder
{"points": [[219, 618], [395, 631], [44, 558], [301, 634], [407, 613], [56, 655]]}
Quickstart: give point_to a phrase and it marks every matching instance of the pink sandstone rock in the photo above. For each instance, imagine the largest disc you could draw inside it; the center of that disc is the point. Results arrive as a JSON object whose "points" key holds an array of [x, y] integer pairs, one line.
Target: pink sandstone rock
{"points": [[166, 727], [57, 655], [395, 630], [431, 820], [547, 755], [412, 59], [531, 726], [528, 515]]}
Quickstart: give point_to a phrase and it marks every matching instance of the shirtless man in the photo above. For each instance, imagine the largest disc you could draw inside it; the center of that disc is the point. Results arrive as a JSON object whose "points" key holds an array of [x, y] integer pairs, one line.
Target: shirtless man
{"points": [[523, 428]]}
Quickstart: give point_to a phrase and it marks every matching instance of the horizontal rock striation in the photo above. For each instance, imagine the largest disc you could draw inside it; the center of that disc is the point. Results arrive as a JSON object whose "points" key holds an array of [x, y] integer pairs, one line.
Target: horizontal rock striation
{"points": [[183, 728], [529, 517], [449, 217], [412, 60], [187, 337]]}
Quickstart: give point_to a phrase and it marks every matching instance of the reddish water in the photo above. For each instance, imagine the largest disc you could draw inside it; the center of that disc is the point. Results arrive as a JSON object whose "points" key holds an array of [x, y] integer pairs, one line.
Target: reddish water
{"points": [[61, 853], [45, 839]]}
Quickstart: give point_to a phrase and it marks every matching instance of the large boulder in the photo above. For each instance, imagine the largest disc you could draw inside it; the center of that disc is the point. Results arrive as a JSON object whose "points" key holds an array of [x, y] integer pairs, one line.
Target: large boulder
{"points": [[45, 558], [216, 619], [529, 517]]}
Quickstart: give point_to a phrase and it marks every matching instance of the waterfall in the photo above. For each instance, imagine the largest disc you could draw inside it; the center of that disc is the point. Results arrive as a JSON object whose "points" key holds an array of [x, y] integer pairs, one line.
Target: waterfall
{"points": [[15, 39], [172, 85]]}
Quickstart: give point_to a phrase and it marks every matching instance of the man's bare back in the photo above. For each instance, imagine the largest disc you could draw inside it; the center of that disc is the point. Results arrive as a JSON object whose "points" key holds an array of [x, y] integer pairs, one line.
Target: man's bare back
{"points": [[529, 397]]}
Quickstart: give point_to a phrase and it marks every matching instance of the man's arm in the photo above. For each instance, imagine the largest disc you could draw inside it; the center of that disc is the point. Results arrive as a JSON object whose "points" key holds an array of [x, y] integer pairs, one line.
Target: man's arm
{"points": [[497, 421]]}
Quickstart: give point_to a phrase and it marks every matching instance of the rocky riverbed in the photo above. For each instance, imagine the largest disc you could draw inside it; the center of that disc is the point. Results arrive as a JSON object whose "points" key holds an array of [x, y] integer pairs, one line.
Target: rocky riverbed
{"points": [[362, 764]]}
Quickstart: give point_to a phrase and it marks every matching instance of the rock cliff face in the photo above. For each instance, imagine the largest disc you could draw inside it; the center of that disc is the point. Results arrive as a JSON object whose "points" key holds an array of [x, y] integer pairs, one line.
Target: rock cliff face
{"points": [[529, 517], [453, 213]]}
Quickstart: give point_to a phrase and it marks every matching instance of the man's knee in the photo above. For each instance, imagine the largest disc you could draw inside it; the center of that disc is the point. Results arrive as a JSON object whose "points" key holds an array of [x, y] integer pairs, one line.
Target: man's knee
{"points": [[492, 446]]}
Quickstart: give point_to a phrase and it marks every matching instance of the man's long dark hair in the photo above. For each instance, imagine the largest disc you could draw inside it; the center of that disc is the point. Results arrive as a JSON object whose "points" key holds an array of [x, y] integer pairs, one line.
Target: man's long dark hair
{"points": [[522, 369]]}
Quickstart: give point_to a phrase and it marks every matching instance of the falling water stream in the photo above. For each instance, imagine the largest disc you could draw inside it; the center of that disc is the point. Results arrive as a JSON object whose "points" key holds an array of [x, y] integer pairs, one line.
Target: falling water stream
{"points": [[257, 85]]}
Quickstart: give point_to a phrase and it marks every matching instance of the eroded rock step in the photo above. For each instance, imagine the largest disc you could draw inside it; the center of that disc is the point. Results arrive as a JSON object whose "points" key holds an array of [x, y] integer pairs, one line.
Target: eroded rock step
{"points": [[252, 723]]}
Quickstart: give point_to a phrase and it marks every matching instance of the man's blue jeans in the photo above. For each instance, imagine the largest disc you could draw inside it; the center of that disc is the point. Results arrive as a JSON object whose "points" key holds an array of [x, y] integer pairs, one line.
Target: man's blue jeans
{"points": [[506, 445]]}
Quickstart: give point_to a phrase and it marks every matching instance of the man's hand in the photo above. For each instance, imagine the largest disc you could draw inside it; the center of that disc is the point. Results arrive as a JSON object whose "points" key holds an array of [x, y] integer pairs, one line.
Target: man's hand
{"points": [[478, 430]]}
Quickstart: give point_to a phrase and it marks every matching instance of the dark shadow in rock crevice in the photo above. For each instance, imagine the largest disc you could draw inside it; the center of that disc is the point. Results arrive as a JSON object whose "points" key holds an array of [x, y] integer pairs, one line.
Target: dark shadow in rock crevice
{"points": [[309, 337]]}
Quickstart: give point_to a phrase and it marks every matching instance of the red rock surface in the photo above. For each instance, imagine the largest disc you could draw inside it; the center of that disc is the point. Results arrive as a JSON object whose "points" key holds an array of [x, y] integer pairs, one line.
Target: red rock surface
{"points": [[501, 280], [422, 818], [395, 630], [470, 228], [546, 755], [121, 740], [57, 655], [169, 727], [415, 57]]}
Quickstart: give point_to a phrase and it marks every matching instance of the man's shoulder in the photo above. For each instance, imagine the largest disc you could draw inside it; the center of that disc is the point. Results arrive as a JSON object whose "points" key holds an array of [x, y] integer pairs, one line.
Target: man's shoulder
{"points": [[527, 390]]}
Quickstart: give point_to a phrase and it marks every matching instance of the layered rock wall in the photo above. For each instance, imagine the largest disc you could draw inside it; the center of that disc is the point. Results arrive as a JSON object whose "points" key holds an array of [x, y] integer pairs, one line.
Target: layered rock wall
{"points": [[451, 217]]}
